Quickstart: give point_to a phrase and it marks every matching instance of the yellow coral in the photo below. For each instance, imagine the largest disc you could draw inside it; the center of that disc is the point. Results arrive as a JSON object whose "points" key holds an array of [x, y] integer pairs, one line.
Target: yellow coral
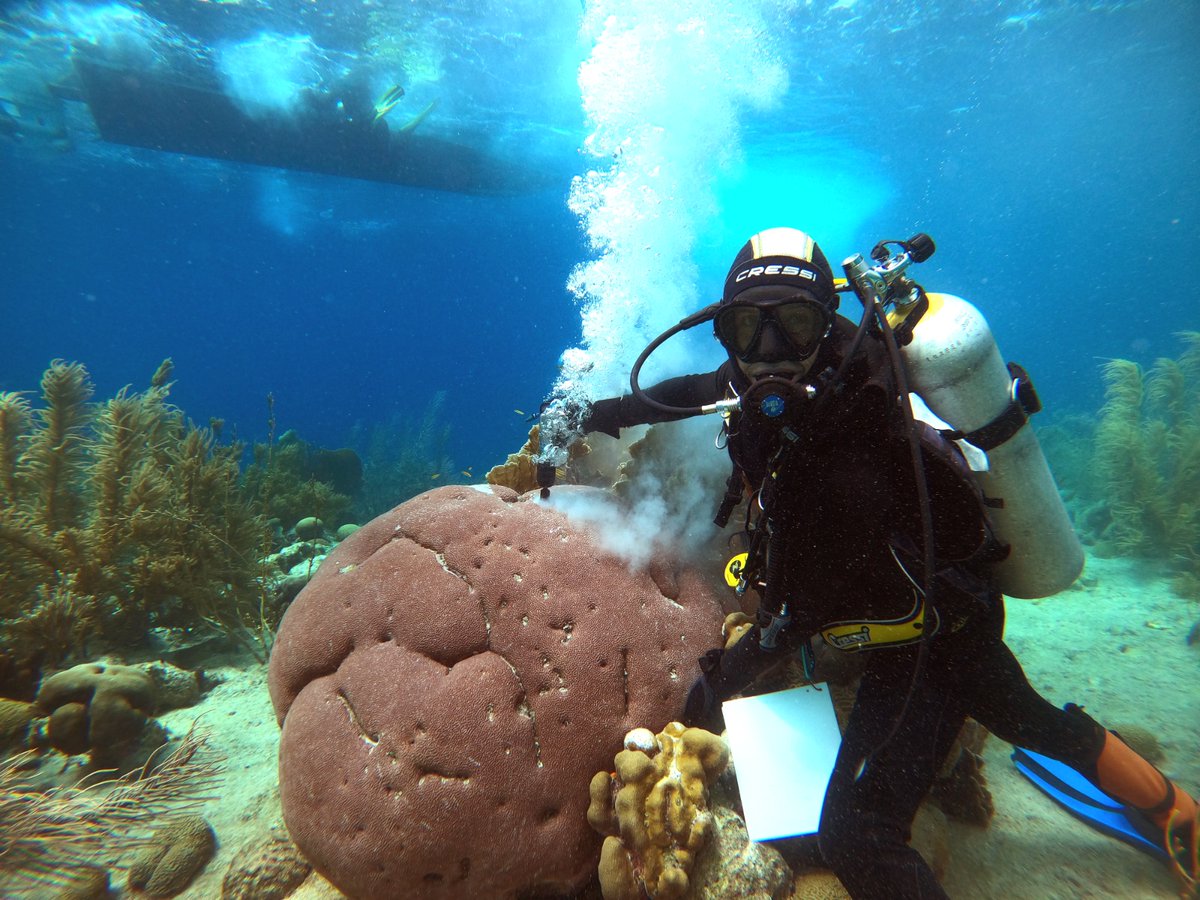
{"points": [[658, 798], [519, 471]]}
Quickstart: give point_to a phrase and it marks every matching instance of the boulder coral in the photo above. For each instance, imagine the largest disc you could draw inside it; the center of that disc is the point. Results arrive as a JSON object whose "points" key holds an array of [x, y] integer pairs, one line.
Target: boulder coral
{"points": [[451, 678], [268, 868], [174, 856], [97, 708], [15, 718], [654, 810]]}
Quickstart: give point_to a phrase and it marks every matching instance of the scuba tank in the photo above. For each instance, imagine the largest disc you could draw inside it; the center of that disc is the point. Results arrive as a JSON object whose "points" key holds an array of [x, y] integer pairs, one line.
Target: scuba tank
{"points": [[952, 363], [955, 366]]}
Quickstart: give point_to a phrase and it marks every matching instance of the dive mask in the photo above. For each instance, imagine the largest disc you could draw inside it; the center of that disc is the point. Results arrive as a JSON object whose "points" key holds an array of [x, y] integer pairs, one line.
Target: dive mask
{"points": [[799, 320]]}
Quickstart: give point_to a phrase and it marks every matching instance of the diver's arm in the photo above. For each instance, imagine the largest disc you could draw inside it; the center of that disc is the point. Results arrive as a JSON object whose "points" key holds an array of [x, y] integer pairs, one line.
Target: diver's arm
{"points": [[611, 415]]}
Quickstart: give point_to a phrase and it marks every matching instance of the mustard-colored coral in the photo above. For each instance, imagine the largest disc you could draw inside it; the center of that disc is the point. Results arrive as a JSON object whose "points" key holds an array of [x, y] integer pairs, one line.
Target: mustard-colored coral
{"points": [[658, 800], [519, 471]]}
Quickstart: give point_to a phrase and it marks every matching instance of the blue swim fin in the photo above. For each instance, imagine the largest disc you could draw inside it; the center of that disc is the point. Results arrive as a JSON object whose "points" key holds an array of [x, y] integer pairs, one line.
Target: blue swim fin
{"points": [[1085, 801]]}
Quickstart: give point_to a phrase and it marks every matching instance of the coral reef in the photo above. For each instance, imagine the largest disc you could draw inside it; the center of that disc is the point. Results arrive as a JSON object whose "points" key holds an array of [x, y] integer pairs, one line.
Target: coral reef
{"points": [[54, 840], [452, 677], [174, 854], [654, 810], [115, 518], [403, 457], [294, 480]]}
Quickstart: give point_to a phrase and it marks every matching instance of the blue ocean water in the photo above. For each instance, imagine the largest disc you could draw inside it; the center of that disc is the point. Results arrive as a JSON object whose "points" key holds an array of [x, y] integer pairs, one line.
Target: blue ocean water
{"points": [[1049, 147]]}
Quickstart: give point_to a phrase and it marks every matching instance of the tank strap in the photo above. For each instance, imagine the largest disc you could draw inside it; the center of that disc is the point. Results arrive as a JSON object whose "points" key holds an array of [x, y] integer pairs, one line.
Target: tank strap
{"points": [[1023, 402]]}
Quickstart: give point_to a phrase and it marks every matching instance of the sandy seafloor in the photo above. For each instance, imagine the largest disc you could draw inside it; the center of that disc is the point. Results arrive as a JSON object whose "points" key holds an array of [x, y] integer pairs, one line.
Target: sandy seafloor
{"points": [[1115, 643]]}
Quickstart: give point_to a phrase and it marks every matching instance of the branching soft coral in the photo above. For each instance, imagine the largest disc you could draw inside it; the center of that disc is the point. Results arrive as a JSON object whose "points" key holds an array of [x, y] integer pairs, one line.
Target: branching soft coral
{"points": [[1147, 454], [120, 516]]}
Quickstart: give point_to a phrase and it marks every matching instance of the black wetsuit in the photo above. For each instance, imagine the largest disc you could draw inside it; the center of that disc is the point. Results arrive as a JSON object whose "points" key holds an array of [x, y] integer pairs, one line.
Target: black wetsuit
{"points": [[844, 511]]}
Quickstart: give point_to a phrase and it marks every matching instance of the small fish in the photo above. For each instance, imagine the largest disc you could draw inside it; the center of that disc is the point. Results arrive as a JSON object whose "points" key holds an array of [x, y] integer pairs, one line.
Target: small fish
{"points": [[467, 473], [435, 476], [519, 412]]}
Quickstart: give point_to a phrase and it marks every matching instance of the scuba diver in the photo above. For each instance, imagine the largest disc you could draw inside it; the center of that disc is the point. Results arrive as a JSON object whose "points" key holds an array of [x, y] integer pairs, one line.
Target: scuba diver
{"points": [[869, 525]]}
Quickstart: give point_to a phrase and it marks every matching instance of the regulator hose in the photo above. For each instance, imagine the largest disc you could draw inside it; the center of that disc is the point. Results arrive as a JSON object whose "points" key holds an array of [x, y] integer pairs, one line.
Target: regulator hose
{"points": [[691, 321], [923, 503]]}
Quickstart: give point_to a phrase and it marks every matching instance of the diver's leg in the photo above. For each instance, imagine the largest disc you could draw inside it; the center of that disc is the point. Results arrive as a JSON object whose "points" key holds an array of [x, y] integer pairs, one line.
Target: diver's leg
{"points": [[881, 775], [1007, 705], [1168, 812]]}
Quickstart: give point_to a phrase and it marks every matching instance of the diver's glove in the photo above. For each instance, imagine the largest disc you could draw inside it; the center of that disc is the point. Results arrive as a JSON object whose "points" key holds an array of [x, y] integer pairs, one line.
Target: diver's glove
{"points": [[724, 673], [604, 416], [701, 708]]}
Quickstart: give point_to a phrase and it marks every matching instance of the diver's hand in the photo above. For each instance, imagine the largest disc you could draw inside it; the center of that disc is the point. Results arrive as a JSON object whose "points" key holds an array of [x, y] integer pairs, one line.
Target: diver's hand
{"points": [[703, 707]]}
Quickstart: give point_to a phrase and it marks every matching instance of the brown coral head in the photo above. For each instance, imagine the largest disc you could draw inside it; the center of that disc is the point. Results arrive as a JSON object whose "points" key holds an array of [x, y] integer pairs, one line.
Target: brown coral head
{"points": [[177, 852], [97, 707], [68, 729]]}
